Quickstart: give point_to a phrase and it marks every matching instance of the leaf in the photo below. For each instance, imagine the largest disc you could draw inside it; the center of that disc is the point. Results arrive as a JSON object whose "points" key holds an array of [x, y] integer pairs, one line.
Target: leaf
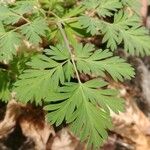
{"points": [[81, 104], [2, 30], [25, 6], [18, 64], [108, 7], [111, 36], [68, 70], [8, 16], [5, 93], [90, 24], [136, 41], [36, 82], [59, 52], [135, 5], [104, 7], [106, 98], [91, 4], [74, 12], [97, 62], [127, 30], [122, 21], [44, 75], [35, 30], [9, 41]]}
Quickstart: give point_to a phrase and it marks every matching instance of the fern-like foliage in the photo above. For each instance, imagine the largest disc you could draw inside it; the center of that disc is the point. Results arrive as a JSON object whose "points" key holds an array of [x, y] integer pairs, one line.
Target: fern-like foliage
{"points": [[80, 104], [98, 62], [124, 28], [9, 41], [74, 102], [32, 30], [45, 48], [104, 7]]}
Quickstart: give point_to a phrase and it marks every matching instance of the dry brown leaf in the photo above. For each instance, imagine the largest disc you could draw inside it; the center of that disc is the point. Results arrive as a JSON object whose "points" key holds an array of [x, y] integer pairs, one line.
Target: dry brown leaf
{"points": [[35, 127], [132, 124], [64, 140], [9, 121]]}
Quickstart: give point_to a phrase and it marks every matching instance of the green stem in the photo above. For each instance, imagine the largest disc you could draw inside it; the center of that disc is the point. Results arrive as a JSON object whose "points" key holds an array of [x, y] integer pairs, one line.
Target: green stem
{"points": [[69, 49]]}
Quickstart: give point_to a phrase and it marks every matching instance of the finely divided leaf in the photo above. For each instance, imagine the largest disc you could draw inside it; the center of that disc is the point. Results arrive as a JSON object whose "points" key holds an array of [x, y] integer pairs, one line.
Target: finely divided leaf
{"points": [[35, 30], [134, 5], [136, 41], [103, 7], [108, 7], [44, 75], [9, 41], [126, 29], [97, 62], [25, 6], [91, 4], [106, 98], [85, 107], [36, 82], [90, 24], [33, 85], [59, 52], [8, 16]]}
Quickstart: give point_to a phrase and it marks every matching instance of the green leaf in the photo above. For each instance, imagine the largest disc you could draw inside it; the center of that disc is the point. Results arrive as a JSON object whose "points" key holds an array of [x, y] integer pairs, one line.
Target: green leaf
{"points": [[91, 4], [25, 6], [44, 75], [8, 16], [136, 41], [104, 7], [5, 93], [106, 98], [74, 12], [68, 70], [111, 31], [35, 30], [110, 36], [126, 29], [9, 41], [135, 5], [90, 24], [86, 109], [108, 7], [97, 62], [36, 82], [2, 30], [18, 64], [59, 52]]}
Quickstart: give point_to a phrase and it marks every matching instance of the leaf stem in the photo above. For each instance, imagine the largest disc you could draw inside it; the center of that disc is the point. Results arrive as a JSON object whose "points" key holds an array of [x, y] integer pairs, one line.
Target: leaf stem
{"points": [[59, 24]]}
